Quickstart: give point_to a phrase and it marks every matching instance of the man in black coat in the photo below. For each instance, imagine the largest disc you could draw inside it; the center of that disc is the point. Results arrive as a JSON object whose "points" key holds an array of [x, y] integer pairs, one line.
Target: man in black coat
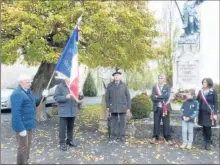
{"points": [[160, 97], [118, 103]]}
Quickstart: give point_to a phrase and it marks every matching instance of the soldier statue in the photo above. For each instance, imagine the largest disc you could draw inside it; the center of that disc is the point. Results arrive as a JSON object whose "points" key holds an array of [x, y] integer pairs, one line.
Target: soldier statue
{"points": [[190, 17]]}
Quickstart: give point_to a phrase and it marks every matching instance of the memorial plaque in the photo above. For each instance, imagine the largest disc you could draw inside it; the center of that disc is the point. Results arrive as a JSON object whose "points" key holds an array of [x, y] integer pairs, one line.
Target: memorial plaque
{"points": [[187, 72]]}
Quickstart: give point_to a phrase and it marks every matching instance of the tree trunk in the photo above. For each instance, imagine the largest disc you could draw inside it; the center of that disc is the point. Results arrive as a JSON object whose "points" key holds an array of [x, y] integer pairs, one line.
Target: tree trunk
{"points": [[40, 82], [42, 78]]}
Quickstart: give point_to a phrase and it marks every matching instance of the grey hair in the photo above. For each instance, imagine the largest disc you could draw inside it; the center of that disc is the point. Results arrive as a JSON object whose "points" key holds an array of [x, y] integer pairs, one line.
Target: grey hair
{"points": [[24, 76]]}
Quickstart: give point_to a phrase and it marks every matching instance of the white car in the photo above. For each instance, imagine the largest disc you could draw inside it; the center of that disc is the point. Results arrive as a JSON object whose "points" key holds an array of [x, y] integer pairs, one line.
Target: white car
{"points": [[6, 93]]}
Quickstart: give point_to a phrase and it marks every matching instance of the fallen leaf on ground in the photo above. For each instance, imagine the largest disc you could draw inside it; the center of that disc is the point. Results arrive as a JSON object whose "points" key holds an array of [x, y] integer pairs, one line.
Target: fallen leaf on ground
{"points": [[158, 156]]}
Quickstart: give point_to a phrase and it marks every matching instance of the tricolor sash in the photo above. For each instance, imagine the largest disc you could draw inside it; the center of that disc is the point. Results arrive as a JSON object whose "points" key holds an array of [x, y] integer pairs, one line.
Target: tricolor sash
{"points": [[205, 101], [165, 105]]}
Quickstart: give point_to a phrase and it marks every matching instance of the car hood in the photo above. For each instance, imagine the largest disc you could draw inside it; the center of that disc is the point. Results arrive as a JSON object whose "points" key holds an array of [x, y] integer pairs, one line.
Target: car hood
{"points": [[6, 93]]}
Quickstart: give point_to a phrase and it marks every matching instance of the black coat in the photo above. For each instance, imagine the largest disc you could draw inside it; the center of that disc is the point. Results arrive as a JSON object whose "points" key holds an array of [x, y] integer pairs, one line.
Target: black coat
{"points": [[204, 110], [165, 95], [117, 97]]}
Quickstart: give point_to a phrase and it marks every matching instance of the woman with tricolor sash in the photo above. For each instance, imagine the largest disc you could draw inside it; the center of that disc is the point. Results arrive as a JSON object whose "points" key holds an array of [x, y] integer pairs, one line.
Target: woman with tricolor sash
{"points": [[208, 105]]}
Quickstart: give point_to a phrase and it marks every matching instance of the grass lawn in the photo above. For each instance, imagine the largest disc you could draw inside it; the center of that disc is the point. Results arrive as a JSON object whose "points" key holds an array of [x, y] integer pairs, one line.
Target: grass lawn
{"points": [[89, 116]]}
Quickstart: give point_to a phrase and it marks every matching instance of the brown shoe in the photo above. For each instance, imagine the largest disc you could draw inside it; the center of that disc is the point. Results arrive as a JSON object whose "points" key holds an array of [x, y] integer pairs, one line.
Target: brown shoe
{"points": [[189, 146], [183, 146], [154, 141], [170, 142]]}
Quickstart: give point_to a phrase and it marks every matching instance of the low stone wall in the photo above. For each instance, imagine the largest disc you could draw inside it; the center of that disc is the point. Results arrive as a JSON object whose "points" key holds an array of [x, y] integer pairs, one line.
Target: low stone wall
{"points": [[143, 128]]}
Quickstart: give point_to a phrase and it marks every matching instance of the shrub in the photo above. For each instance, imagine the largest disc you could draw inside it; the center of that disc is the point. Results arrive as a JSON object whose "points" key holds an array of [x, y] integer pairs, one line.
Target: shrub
{"points": [[89, 88], [217, 87], [141, 106]]}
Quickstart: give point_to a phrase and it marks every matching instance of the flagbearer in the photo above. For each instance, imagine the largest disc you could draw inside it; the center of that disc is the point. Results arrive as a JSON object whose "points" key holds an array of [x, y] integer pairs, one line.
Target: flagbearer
{"points": [[161, 107], [23, 109], [67, 111], [118, 103]]}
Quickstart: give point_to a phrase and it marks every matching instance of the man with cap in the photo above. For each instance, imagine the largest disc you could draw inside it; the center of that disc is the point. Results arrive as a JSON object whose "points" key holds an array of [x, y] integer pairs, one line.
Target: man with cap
{"points": [[161, 107], [23, 109], [67, 109], [118, 103]]}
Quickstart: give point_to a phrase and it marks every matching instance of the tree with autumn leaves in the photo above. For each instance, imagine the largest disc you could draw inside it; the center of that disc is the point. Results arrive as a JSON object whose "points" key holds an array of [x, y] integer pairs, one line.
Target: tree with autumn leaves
{"points": [[113, 34]]}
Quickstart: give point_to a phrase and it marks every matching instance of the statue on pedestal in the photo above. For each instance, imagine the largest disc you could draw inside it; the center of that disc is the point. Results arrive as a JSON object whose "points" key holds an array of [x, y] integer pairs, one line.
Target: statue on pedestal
{"points": [[191, 24]]}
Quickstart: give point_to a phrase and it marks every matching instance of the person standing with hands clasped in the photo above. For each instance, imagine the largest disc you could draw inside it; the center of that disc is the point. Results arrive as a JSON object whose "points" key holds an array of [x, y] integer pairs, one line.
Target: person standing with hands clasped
{"points": [[118, 103], [208, 106], [189, 112], [67, 106]]}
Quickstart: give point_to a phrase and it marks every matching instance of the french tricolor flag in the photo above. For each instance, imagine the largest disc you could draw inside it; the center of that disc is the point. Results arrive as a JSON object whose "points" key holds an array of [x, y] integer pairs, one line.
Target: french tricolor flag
{"points": [[68, 63]]}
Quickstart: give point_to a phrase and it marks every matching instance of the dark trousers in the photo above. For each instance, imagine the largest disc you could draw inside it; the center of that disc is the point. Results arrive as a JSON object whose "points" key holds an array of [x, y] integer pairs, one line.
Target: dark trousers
{"points": [[66, 123], [207, 133], [24, 145], [158, 114], [118, 124]]}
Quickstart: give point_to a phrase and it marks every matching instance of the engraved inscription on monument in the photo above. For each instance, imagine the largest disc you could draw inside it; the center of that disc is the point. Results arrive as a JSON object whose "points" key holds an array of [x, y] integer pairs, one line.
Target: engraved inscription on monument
{"points": [[187, 72]]}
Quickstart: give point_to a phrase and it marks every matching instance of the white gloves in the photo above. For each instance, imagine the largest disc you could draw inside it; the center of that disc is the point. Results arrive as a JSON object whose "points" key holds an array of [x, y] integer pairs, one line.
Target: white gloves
{"points": [[23, 133], [45, 93]]}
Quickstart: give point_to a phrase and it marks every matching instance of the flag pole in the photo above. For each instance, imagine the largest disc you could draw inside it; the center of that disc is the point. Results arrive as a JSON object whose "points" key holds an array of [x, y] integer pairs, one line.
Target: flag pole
{"points": [[78, 22], [179, 11]]}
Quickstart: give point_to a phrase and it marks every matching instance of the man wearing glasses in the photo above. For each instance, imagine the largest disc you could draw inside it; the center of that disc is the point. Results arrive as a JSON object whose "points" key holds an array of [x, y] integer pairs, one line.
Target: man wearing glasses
{"points": [[161, 107], [23, 107]]}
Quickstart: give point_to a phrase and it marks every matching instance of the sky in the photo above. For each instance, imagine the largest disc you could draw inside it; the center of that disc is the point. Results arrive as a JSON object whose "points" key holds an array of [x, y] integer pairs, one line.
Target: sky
{"points": [[209, 34]]}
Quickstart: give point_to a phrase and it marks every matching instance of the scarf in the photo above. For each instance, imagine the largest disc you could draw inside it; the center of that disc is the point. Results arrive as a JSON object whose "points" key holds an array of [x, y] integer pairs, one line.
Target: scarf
{"points": [[165, 104]]}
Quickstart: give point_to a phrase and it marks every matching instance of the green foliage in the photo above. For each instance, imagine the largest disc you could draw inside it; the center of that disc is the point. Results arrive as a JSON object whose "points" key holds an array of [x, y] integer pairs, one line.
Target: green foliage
{"points": [[114, 33], [89, 88], [141, 106], [217, 88], [138, 80]]}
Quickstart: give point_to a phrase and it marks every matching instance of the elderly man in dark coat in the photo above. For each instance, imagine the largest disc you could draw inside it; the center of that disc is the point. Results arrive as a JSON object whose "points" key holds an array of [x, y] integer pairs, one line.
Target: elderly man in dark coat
{"points": [[67, 111], [118, 103]]}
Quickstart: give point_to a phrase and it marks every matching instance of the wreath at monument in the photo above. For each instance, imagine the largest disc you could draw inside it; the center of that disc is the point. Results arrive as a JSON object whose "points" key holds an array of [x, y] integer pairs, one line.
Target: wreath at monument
{"points": [[179, 97]]}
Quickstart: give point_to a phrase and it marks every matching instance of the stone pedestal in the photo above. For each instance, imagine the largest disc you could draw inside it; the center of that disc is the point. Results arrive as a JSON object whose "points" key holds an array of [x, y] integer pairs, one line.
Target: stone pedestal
{"points": [[103, 114], [199, 59], [103, 117], [176, 106], [186, 67]]}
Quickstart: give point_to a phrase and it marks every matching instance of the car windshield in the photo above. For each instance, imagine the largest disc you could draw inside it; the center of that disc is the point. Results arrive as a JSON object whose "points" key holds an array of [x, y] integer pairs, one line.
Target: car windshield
{"points": [[12, 86]]}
